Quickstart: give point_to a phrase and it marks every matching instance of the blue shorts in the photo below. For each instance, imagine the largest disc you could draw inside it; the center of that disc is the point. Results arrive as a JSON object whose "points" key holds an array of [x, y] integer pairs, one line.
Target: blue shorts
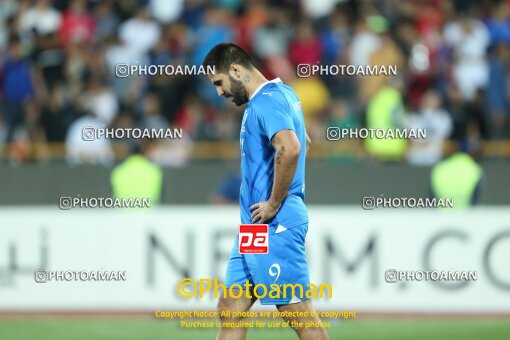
{"points": [[285, 263]]}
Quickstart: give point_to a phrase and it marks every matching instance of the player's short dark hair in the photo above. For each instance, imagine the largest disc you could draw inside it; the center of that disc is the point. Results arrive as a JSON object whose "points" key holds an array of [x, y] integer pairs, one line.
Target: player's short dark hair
{"points": [[223, 55]]}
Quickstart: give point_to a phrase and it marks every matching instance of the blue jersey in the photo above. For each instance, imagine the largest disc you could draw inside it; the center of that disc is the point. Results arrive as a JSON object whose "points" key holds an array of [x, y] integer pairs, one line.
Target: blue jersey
{"points": [[272, 107]]}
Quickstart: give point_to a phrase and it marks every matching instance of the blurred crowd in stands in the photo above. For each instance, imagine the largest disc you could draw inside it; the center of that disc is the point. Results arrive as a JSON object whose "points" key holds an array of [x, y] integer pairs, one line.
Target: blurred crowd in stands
{"points": [[59, 56]]}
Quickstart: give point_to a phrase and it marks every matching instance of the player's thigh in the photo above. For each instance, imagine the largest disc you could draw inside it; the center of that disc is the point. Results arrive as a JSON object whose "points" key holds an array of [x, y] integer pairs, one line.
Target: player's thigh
{"points": [[284, 266], [237, 274]]}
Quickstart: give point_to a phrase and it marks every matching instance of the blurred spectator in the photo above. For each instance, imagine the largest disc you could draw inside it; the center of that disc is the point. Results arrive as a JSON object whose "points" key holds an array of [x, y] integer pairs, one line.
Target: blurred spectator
{"points": [[172, 152], [42, 18], [386, 53], [279, 67], [499, 24], [477, 115], [255, 16], [179, 38], [458, 177], [140, 33], [81, 151], [215, 29], [7, 9], [424, 54], [49, 59], [469, 39], [272, 39], [117, 53], [306, 48], [166, 11], [100, 100], [497, 90], [160, 54], [77, 26], [18, 86], [106, 20], [26, 135], [228, 124], [151, 113], [76, 68], [386, 111], [125, 120], [56, 115], [457, 108], [197, 120], [137, 177], [342, 116], [436, 121], [364, 42], [318, 8], [313, 94], [228, 190], [335, 36]]}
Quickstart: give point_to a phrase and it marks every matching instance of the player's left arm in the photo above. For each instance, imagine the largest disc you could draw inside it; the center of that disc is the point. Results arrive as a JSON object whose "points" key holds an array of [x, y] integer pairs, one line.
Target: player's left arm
{"points": [[287, 149]]}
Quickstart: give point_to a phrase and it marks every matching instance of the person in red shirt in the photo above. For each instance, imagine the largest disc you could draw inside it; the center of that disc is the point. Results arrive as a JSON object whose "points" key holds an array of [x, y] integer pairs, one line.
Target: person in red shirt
{"points": [[77, 24], [307, 47]]}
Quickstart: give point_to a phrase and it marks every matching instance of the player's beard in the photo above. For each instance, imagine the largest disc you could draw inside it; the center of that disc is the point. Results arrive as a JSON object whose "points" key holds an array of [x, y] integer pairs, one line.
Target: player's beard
{"points": [[238, 92]]}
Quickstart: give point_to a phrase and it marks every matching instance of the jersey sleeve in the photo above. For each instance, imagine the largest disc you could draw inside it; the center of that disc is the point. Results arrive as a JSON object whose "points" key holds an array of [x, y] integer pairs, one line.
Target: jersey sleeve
{"points": [[273, 114]]}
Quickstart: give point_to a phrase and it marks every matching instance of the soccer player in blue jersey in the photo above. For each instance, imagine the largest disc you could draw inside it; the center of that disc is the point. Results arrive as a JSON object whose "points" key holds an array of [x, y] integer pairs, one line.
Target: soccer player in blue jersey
{"points": [[273, 144]]}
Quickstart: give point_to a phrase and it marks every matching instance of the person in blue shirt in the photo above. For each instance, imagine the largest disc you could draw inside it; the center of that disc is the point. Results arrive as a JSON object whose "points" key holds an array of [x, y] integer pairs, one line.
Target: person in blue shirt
{"points": [[18, 87], [273, 146]]}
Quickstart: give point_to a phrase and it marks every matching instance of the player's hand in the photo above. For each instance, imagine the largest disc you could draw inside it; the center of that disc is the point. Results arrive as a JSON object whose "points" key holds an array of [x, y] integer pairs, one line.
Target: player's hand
{"points": [[263, 211]]}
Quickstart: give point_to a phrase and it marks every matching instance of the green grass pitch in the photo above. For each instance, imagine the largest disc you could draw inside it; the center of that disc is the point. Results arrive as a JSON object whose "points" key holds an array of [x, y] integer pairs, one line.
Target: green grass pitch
{"points": [[140, 328]]}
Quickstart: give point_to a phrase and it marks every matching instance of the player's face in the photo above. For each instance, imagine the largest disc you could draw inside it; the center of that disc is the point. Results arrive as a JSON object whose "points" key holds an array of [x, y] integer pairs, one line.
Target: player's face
{"points": [[231, 88]]}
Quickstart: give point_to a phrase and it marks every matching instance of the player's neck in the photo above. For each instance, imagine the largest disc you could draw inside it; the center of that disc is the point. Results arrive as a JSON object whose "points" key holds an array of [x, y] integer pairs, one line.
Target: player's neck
{"points": [[253, 81]]}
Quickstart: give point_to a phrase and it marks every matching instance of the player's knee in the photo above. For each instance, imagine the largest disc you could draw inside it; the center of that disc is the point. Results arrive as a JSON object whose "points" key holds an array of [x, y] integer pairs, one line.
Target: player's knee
{"points": [[229, 310], [226, 310], [222, 307], [290, 321]]}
